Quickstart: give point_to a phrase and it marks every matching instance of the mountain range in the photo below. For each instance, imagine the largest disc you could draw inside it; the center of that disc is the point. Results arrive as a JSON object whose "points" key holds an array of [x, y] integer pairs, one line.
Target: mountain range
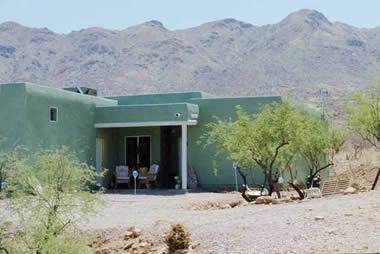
{"points": [[302, 55]]}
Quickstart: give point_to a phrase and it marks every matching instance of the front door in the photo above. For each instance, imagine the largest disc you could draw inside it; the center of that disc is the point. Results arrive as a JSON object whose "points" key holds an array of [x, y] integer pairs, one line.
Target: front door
{"points": [[99, 160], [138, 152]]}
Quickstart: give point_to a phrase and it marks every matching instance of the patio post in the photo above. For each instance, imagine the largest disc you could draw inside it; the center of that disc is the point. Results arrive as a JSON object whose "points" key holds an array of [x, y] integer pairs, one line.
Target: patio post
{"points": [[184, 157]]}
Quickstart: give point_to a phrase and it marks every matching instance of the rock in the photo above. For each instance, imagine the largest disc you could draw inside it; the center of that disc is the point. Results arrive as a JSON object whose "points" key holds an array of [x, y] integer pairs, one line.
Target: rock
{"points": [[264, 200], [276, 201], [314, 193], [181, 252], [128, 235], [226, 206], [243, 203], [137, 232], [363, 189], [355, 185], [319, 217], [253, 194], [331, 231], [143, 245], [287, 200], [105, 250], [350, 190], [128, 245]]}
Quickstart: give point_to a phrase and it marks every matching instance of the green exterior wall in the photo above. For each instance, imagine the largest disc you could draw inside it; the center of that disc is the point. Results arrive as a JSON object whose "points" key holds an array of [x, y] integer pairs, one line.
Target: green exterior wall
{"points": [[145, 113], [27, 108], [204, 159], [12, 116]]}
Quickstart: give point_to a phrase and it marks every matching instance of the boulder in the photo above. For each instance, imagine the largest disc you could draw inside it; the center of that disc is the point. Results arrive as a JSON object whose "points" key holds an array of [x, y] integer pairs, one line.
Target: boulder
{"points": [[253, 194], [276, 201], [314, 193], [350, 190]]}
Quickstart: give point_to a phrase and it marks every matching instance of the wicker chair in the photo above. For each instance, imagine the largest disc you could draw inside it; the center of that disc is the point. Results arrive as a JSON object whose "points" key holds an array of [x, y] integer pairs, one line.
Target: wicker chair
{"points": [[122, 175], [150, 177]]}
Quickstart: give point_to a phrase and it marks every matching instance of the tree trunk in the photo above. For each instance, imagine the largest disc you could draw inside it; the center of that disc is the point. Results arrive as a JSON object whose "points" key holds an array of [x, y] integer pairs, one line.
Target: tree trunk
{"points": [[4, 249], [245, 187], [300, 193], [273, 187]]}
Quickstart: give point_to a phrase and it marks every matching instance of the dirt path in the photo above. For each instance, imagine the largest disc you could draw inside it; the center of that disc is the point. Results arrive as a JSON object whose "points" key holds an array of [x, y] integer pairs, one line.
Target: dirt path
{"points": [[351, 223]]}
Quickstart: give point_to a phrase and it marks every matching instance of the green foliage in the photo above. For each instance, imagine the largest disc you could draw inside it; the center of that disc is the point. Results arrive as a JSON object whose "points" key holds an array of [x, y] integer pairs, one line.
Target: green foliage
{"points": [[318, 145], [48, 193], [364, 116], [277, 136], [256, 140]]}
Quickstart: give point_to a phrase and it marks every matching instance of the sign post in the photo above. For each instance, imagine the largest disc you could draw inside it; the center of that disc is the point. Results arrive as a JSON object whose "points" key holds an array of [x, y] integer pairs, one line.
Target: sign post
{"points": [[135, 175], [234, 165]]}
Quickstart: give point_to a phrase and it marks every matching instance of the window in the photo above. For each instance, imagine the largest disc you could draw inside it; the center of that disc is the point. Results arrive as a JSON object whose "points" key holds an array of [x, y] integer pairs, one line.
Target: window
{"points": [[53, 114]]}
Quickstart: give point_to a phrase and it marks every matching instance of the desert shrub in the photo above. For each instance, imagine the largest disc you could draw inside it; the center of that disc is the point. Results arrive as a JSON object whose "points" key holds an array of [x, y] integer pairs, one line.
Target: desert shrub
{"points": [[48, 193], [178, 238]]}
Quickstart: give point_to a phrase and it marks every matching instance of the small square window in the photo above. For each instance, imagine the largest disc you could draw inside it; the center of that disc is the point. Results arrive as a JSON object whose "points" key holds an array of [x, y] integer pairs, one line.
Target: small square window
{"points": [[53, 114]]}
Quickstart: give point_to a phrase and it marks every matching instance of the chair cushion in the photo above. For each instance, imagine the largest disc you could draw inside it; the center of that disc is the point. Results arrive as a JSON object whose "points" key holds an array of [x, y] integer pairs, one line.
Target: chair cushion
{"points": [[143, 171], [122, 171]]}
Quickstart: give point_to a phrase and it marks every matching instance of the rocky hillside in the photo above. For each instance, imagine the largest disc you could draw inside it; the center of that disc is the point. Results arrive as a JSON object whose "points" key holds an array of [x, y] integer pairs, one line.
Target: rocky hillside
{"points": [[303, 53]]}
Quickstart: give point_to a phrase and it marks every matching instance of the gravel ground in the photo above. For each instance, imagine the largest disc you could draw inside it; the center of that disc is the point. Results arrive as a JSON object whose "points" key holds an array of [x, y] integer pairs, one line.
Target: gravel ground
{"points": [[351, 223]]}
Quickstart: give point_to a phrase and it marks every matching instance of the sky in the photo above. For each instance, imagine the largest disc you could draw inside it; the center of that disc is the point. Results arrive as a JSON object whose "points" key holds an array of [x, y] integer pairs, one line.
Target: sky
{"points": [[64, 16]]}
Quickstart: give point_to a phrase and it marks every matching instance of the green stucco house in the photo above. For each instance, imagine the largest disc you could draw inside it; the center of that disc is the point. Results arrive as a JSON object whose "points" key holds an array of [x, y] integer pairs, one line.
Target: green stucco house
{"points": [[137, 130]]}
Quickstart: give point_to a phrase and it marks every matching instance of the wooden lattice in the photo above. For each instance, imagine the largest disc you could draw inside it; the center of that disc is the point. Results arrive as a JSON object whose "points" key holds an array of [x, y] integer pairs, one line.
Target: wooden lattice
{"points": [[334, 186]]}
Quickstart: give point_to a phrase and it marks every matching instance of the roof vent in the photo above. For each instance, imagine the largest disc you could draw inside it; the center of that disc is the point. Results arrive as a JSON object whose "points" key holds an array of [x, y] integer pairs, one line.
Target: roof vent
{"points": [[82, 90]]}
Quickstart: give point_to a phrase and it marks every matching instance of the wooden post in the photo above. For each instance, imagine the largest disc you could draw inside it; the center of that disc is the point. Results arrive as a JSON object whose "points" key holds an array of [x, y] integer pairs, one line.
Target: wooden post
{"points": [[377, 178]]}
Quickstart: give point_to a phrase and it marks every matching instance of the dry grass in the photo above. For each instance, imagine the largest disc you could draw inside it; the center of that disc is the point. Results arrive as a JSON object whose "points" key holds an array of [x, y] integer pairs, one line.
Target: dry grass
{"points": [[178, 238]]}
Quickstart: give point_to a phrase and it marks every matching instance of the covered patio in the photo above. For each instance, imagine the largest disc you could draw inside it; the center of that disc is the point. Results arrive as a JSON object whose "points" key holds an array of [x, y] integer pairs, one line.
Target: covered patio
{"points": [[142, 135]]}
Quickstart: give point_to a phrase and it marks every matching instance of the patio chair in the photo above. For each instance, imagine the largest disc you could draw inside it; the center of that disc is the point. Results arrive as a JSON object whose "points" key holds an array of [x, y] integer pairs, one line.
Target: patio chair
{"points": [[122, 175], [149, 177]]}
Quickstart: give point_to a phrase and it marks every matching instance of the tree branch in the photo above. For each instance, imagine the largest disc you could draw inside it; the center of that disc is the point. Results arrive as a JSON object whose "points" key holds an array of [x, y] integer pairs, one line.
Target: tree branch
{"points": [[322, 168], [276, 153]]}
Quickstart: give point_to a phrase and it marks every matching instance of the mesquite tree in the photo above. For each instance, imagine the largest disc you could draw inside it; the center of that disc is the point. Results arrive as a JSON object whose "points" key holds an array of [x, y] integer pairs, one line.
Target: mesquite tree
{"points": [[259, 140]]}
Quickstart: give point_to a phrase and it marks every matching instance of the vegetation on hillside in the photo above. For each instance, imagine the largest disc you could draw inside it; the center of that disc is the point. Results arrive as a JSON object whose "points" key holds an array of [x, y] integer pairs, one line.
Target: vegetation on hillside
{"points": [[364, 115]]}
